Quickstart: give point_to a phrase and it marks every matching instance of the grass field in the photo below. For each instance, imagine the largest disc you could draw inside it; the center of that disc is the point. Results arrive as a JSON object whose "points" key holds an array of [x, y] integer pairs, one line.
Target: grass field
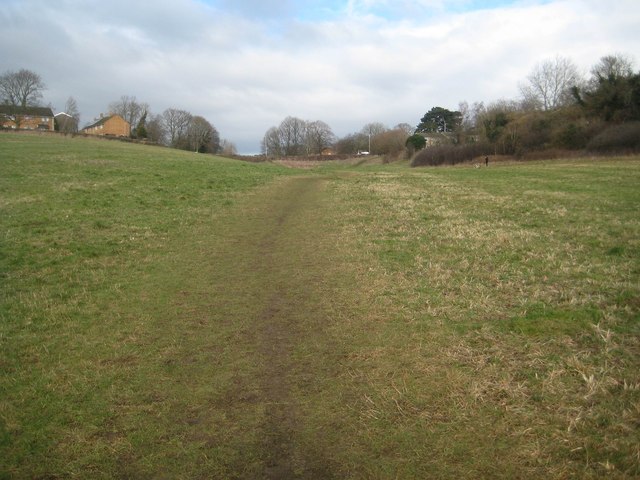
{"points": [[170, 315]]}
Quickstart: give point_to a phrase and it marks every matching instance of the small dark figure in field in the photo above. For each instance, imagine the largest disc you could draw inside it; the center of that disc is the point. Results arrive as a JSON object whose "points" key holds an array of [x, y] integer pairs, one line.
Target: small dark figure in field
{"points": [[486, 161]]}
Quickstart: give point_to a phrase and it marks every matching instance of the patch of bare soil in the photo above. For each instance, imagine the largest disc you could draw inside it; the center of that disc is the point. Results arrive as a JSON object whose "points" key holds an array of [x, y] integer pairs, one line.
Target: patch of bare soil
{"points": [[276, 341], [286, 322]]}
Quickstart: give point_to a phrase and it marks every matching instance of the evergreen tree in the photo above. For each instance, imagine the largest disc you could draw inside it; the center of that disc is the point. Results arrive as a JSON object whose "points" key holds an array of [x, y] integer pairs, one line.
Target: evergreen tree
{"points": [[141, 129], [439, 119]]}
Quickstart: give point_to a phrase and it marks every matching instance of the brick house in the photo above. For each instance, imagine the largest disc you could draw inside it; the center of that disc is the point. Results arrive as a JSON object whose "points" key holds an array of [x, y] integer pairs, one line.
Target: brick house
{"points": [[26, 118], [110, 125], [327, 152]]}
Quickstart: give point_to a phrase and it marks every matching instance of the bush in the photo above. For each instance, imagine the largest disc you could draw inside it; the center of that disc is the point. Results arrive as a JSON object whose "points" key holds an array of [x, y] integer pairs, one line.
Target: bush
{"points": [[416, 142], [451, 154], [620, 138], [551, 154], [531, 132], [572, 136]]}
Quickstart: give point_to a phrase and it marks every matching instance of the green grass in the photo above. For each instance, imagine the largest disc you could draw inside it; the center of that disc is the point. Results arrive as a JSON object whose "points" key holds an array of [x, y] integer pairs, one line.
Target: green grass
{"points": [[507, 317], [171, 315], [94, 238]]}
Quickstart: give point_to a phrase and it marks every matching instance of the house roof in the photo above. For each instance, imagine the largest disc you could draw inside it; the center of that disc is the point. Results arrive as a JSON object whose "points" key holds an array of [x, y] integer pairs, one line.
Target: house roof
{"points": [[35, 111], [59, 114], [101, 121]]}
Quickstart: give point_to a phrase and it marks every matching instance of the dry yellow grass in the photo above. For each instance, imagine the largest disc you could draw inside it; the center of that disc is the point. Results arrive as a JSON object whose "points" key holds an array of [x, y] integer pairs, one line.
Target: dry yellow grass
{"points": [[493, 327]]}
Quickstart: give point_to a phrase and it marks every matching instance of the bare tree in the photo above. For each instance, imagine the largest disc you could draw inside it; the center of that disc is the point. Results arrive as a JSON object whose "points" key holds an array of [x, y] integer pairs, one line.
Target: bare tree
{"points": [[372, 131], [405, 127], [549, 85], [176, 122], [297, 137], [292, 135], [374, 128], [70, 125], [612, 66], [318, 136], [22, 88], [203, 137], [391, 142], [228, 148], [129, 109], [352, 143], [71, 108], [467, 122], [271, 144], [155, 129], [477, 110], [214, 141], [470, 121]]}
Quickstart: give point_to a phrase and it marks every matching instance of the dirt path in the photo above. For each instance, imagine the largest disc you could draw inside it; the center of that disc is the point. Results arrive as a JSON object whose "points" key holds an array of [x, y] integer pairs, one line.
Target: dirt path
{"points": [[280, 327], [278, 256]]}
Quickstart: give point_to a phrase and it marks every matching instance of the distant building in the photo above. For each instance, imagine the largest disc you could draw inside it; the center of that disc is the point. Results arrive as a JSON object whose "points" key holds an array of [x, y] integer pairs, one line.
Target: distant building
{"points": [[437, 138], [327, 152], [26, 118], [110, 125], [66, 123]]}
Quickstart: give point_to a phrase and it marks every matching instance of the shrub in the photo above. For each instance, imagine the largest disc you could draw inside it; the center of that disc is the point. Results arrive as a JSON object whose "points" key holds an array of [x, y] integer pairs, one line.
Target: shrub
{"points": [[451, 154], [416, 142], [572, 136], [551, 154], [533, 132], [624, 137]]}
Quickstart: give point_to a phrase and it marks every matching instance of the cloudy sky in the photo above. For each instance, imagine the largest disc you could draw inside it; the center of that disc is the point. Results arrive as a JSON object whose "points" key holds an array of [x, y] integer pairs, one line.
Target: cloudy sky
{"points": [[245, 65]]}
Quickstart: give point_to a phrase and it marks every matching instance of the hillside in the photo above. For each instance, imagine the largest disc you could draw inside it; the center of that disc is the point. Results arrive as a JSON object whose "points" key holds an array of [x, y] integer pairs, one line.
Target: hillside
{"points": [[165, 314]]}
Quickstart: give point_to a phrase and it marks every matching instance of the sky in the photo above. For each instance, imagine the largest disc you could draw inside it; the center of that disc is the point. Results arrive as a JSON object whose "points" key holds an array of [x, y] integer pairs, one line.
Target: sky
{"points": [[245, 65]]}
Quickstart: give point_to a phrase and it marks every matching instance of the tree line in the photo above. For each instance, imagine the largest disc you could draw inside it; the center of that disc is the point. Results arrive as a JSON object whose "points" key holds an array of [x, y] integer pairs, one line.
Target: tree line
{"points": [[295, 137], [559, 110], [174, 127]]}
